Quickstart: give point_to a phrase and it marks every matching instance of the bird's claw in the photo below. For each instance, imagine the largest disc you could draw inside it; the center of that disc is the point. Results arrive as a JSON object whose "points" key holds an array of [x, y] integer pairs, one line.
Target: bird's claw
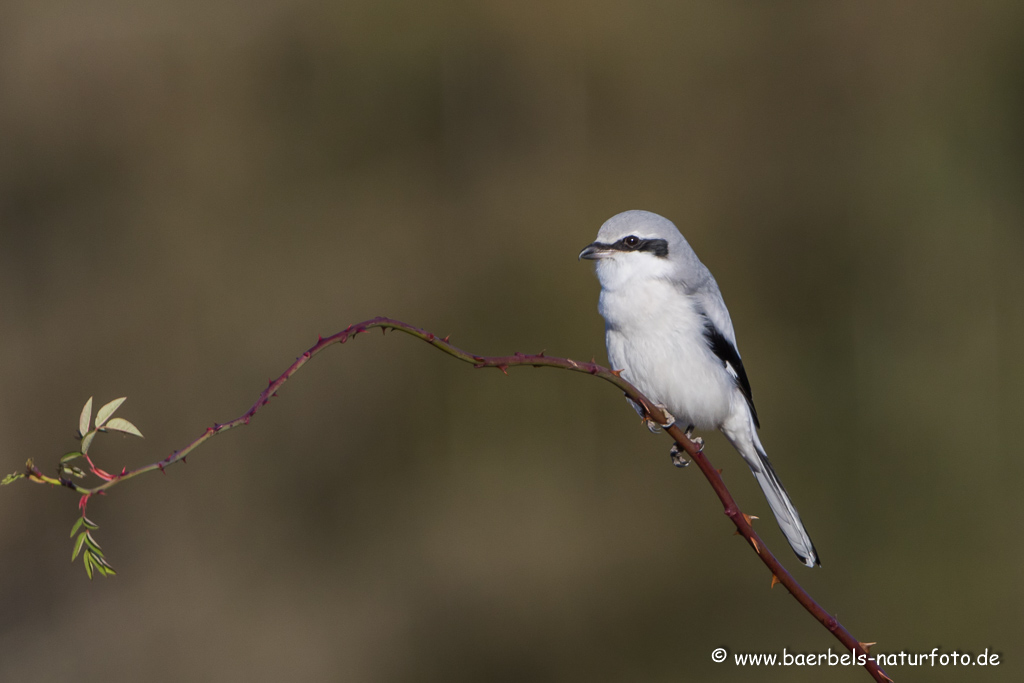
{"points": [[678, 459], [654, 425]]}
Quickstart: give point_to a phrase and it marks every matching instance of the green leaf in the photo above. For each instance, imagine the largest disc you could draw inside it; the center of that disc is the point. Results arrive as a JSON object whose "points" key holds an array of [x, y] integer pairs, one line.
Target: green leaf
{"points": [[83, 420], [93, 545], [87, 441], [11, 478], [68, 457], [123, 425], [91, 542], [89, 524], [79, 542], [76, 472], [106, 411], [101, 566], [76, 527], [88, 565]]}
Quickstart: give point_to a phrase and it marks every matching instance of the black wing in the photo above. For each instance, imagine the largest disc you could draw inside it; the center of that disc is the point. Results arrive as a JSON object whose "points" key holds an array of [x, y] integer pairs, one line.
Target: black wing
{"points": [[730, 357]]}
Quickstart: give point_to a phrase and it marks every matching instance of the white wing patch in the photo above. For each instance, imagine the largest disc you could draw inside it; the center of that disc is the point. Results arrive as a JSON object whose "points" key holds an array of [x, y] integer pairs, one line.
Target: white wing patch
{"points": [[732, 371]]}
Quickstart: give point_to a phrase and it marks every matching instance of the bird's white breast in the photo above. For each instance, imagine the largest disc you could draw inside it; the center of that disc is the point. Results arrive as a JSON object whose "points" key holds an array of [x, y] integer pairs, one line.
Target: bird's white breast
{"points": [[654, 334]]}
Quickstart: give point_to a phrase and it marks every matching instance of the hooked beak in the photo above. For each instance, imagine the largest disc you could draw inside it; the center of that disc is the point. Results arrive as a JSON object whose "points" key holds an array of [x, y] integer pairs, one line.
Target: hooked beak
{"points": [[594, 251]]}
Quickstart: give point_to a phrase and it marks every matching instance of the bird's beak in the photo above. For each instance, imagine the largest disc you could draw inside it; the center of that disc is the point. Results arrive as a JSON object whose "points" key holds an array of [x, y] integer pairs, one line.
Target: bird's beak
{"points": [[593, 252]]}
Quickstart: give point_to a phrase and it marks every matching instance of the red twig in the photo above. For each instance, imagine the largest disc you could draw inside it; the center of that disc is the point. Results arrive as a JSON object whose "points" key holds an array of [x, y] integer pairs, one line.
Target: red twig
{"points": [[732, 510]]}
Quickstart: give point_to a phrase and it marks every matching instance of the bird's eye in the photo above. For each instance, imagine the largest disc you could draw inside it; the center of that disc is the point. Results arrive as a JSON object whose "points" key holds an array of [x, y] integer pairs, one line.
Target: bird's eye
{"points": [[632, 241]]}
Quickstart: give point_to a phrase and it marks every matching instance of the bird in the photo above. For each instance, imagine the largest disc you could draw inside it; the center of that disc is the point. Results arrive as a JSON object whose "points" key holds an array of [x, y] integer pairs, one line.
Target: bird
{"points": [[669, 333]]}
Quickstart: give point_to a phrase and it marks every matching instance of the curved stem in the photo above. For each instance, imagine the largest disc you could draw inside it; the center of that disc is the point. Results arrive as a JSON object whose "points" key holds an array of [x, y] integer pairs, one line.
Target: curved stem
{"points": [[732, 510]]}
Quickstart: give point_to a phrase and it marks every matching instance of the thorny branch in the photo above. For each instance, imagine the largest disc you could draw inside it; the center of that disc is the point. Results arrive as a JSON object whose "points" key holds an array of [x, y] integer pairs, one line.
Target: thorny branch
{"points": [[742, 521]]}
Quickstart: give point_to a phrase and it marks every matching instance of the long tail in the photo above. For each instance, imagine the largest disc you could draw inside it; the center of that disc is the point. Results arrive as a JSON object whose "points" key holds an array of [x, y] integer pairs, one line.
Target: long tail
{"points": [[779, 501]]}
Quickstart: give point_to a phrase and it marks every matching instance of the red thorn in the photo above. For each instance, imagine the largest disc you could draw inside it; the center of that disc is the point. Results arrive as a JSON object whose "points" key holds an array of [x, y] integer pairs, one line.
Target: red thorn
{"points": [[209, 430], [446, 338], [124, 471], [306, 355], [344, 337], [383, 331], [541, 354], [503, 368], [184, 459], [319, 338], [161, 466], [246, 419], [273, 395]]}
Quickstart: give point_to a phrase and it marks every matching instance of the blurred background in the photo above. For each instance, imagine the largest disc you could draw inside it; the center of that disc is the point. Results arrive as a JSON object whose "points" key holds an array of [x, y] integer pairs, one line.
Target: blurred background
{"points": [[191, 192]]}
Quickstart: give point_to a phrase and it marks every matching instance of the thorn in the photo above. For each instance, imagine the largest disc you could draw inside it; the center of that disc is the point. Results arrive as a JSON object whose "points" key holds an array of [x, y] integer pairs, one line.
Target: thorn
{"points": [[124, 471], [775, 580], [867, 646], [617, 373], [307, 355], [541, 354], [344, 337], [719, 472], [750, 519], [503, 368], [216, 426], [210, 430], [430, 337], [593, 361], [882, 674], [757, 548], [319, 339], [245, 420], [273, 395], [161, 466], [446, 338], [383, 331], [184, 459]]}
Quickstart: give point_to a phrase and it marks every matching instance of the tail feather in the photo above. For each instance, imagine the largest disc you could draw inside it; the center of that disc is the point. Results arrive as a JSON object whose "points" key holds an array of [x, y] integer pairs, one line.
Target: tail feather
{"points": [[742, 432], [783, 509]]}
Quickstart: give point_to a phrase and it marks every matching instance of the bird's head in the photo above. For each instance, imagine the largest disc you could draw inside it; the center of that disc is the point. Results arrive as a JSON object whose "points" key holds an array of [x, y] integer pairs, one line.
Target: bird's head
{"points": [[636, 244]]}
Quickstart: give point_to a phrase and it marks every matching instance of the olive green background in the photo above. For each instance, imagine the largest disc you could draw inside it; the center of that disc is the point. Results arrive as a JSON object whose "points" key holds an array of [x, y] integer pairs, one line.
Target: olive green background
{"points": [[191, 192]]}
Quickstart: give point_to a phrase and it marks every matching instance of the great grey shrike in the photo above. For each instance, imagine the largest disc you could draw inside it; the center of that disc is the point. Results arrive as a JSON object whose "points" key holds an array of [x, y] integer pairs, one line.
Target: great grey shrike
{"points": [[668, 330]]}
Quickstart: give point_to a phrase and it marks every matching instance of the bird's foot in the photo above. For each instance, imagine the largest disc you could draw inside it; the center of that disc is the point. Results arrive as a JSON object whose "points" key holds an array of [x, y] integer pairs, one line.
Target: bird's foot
{"points": [[696, 439], [656, 426], [678, 459]]}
